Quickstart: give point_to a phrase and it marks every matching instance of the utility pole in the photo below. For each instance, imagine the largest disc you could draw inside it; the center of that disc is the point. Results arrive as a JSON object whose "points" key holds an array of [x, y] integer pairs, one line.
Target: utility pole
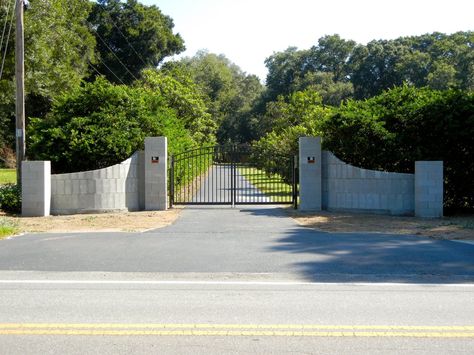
{"points": [[20, 89]]}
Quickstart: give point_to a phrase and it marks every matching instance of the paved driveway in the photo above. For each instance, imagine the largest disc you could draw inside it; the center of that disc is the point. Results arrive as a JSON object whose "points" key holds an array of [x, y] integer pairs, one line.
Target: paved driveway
{"points": [[249, 241]]}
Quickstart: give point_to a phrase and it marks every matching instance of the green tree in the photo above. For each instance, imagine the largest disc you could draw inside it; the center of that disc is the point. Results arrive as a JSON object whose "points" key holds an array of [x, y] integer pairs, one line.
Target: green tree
{"points": [[374, 67], [332, 92], [130, 37], [180, 93], [58, 49], [231, 94], [283, 68], [330, 55], [442, 76]]}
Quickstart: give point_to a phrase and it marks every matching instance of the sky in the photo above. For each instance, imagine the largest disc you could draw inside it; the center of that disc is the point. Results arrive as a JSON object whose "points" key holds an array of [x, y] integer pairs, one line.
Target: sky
{"points": [[248, 31]]}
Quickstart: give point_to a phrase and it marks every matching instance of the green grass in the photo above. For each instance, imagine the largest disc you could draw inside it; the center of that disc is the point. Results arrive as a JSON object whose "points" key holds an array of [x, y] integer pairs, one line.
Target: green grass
{"points": [[272, 185], [7, 228], [7, 176]]}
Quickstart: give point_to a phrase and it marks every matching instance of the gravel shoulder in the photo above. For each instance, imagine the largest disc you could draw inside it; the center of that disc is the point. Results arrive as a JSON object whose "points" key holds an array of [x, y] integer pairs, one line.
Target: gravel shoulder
{"points": [[100, 222], [448, 228]]}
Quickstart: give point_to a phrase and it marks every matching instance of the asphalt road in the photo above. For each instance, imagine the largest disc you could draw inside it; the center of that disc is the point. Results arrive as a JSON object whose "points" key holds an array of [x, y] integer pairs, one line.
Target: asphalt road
{"points": [[110, 315], [249, 240], [235, 281]]}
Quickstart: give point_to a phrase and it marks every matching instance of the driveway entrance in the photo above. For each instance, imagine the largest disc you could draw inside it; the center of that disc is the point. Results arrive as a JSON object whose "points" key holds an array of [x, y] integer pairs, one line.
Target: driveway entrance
{"points": [[231, 175]]}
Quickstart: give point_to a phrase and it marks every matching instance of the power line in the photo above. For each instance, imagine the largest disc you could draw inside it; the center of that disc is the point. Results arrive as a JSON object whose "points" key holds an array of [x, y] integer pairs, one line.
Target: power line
{"points": [[110, 49], [121, 33], [105, 65], [102, 62], [5, 24], [8, 38]]}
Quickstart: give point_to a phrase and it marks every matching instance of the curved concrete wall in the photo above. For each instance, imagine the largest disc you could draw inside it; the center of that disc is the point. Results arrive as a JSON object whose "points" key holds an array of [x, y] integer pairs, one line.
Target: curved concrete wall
{"points": [[346, 187], [118, 187]]}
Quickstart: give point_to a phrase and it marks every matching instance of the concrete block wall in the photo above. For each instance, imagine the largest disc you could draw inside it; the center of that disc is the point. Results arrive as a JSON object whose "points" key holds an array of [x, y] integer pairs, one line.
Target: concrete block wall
{"points": [[348, 188], [429, 189], [35, 188], [118, 187]]}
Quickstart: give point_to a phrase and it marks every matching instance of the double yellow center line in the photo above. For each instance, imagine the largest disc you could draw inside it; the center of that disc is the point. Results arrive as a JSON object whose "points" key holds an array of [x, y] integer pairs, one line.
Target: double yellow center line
{"points": [[199, 329]]}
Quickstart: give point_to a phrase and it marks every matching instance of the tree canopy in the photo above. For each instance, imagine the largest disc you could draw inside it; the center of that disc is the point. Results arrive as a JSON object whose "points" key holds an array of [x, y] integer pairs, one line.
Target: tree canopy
{"points": [[231, 94], [58, 50], [436, 60], [131, 36]]}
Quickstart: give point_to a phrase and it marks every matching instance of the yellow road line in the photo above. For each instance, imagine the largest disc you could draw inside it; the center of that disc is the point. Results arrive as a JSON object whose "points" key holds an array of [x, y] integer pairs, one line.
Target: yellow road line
{"points": [[234, 333], [230, 326], [201, 329]]}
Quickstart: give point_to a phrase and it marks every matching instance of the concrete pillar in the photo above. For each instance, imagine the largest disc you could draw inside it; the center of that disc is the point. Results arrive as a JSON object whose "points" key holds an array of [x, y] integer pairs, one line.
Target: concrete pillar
{"points": [[35, 188], [310, 166], [156, 173], [429, 189]]}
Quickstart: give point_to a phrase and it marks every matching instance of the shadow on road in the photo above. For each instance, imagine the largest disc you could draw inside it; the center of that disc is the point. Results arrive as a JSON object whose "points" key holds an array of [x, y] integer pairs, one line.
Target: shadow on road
{"points": [[369, 257]]}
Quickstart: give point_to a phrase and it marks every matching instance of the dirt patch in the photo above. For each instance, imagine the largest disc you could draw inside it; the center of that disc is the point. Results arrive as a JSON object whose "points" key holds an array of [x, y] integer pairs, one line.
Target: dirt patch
{"points": [[450, 228], [101, 222]]}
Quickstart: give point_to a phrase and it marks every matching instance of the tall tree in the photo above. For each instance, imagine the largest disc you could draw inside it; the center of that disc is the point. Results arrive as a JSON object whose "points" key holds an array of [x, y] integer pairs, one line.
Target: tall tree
{"points": [[130, 37], [58, 49], [331, 56], [231, 94], [180, 93]]}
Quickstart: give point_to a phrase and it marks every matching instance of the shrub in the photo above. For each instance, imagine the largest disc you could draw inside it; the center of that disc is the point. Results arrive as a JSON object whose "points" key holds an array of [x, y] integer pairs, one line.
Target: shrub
{"points": [[101, 124], [10, 198]]}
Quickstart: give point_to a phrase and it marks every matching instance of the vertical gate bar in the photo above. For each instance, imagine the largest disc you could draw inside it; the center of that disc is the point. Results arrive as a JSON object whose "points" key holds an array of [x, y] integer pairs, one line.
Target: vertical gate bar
{"points": [[229, 178], [206, 191], [193, 197], [295, 183], [190, 166], [204, 175], [184, 163], [204, 161], [240, 192], [201, 186], [271, 186], [218, 163], [220, 178], [203, 166], [201, 172], [254, 196], [212, 179], [209, 180], [232, 187], [233, 176], [188, 174]]}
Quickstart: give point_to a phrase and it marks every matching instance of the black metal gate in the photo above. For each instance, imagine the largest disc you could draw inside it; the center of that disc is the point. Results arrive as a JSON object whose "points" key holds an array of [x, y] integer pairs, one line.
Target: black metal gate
{"points": [[232, 175]]}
